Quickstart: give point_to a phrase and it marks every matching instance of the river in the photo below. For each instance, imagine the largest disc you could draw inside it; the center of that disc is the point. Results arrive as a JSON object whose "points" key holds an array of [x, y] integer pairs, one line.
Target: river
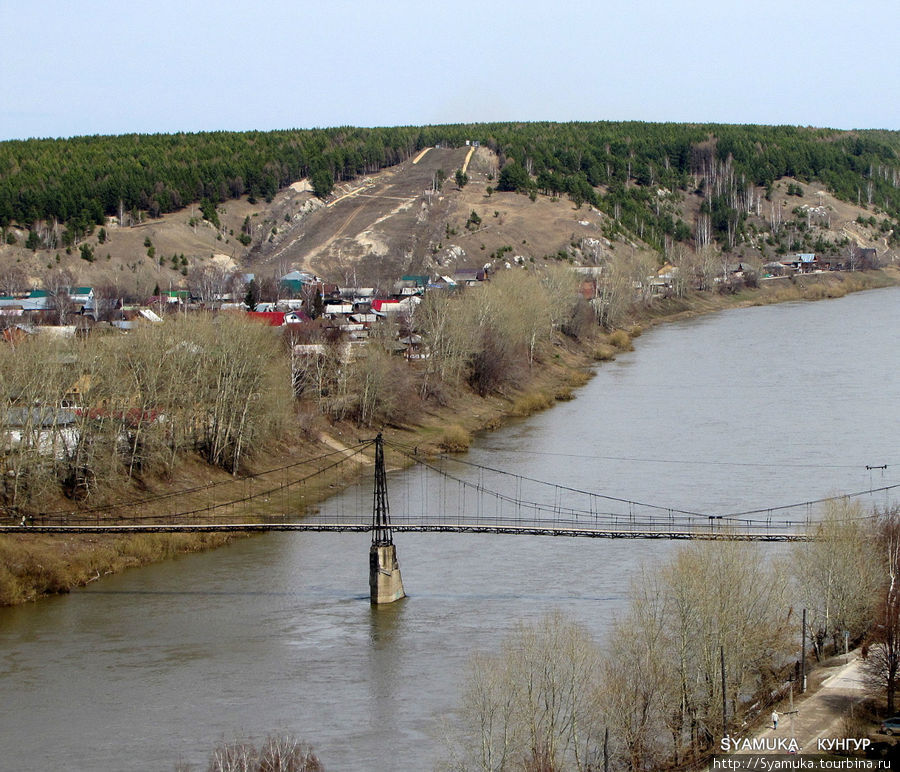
{"points": [[152, 668]]}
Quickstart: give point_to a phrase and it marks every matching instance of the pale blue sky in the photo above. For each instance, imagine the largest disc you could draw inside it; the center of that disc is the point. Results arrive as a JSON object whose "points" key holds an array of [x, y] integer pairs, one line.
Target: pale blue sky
{"points": [[90, 67]]}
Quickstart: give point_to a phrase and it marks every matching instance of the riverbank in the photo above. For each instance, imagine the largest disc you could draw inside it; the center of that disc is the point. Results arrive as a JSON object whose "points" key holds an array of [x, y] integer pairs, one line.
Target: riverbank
{"points": [[32, 566]]}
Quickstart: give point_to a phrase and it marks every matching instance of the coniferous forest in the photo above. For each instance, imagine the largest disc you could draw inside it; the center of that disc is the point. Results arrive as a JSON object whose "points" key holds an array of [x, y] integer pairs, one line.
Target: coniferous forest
{"points": [[617, 167]]}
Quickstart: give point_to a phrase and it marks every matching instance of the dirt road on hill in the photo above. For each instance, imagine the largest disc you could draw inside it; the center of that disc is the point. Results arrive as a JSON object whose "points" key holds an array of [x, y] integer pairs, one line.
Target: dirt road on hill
{"points": [[390, 217]]}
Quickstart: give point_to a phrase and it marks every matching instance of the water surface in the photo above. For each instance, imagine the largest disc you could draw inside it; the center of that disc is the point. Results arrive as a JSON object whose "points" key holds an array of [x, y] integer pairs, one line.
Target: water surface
{"points": [[748, 408]]}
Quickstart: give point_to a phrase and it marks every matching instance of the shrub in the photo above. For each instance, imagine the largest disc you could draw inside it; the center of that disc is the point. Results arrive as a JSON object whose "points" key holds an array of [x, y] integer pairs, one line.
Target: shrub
{"points": [[527, 404], [621, 340], [604, 353], [455, 439], [276, 753]]}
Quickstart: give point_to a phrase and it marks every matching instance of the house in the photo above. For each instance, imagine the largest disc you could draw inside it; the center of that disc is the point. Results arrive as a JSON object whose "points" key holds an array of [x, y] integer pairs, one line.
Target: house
{"points": [[294, 281], [833, 263], [271, 318], [10, 306], [14, 335], [170, 297], [334, 310], [469, 278], [355, 294], [52, 431], [83, 296], [380, 306], [411, 284]]}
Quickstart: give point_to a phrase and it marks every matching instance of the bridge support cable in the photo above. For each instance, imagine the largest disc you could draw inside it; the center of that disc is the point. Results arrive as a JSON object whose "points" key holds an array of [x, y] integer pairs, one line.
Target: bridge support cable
{"points": [[205, 510], [244, 491], [627, 513], [385, 582]]}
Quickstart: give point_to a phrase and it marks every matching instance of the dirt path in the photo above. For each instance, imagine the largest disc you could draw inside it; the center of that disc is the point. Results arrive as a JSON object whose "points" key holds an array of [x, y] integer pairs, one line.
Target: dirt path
{"points": [[353, 455], [468, 158], [386, 209]]}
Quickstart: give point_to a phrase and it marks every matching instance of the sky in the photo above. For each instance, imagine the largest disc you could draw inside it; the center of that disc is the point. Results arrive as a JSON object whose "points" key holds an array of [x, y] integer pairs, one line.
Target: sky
{"points": [[89, 67]]}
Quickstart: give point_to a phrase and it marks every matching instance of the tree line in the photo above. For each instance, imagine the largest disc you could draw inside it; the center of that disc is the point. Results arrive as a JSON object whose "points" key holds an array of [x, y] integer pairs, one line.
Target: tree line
{"points": [[708, 642], [485, 339], [84, 418], [618, 167]]}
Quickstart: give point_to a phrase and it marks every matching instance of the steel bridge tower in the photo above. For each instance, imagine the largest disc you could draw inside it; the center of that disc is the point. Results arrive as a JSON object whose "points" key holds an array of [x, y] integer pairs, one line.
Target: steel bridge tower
{"points": [[385, 583]]}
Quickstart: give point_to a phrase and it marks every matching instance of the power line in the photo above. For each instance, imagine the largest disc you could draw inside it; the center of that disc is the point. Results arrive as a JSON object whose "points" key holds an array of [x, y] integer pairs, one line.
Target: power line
{"points": [[730, 516], [556, 486], [685, 462]]}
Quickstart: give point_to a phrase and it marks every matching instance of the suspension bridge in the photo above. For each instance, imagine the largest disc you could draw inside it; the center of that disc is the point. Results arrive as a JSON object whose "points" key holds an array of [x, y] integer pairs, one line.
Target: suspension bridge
{"points": [[449, 495]]}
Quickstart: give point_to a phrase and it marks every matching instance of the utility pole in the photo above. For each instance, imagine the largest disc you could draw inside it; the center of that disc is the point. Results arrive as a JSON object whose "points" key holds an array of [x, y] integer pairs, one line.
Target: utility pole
{"points": [[803, 655], [724, 697], [606, 750]]}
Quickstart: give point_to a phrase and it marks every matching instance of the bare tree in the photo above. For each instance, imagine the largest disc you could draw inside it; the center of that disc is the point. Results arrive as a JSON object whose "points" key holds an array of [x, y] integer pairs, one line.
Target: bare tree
{"points": [[634, 681], [106, 300], [448, 337], [532, 706], [13, 280], [209, 282], [279, 753], [837, 575], [58, 284], [881, 666]]}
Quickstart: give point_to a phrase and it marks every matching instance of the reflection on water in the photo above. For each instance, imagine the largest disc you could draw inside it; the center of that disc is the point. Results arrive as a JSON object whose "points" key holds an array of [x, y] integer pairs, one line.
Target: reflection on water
{"points": [[758, 407]]}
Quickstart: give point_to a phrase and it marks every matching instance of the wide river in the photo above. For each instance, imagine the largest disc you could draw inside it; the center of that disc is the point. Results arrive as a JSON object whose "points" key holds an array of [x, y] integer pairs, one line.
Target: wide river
{"points": [[152, 668]]}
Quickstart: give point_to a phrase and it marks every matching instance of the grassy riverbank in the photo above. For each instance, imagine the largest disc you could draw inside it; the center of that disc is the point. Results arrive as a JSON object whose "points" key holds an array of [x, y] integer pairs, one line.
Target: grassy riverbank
{"points": [[33, 565]]}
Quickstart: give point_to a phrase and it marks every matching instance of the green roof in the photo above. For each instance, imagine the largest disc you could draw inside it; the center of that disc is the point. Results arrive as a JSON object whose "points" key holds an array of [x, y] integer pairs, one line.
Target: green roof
{"points": [[40, 293], [292, 285]]}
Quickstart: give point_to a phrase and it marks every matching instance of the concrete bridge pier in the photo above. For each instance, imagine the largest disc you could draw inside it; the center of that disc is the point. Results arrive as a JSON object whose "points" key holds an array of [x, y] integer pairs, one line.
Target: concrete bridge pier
{"points": [[385, 583]]}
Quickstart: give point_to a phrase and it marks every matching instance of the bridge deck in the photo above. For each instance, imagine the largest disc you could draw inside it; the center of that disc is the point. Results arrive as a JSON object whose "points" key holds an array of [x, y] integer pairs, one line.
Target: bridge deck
{"points": [[717, 534]]}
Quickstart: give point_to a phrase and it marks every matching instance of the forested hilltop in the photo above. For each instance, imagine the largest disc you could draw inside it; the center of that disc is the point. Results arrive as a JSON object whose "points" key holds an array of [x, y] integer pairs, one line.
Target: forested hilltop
{"points": [[630, 171]]}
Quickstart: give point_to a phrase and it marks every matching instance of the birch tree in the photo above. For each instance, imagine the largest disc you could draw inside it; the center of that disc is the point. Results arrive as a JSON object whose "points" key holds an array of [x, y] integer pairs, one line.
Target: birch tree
{"points": [[532, 706], [836, 575]]}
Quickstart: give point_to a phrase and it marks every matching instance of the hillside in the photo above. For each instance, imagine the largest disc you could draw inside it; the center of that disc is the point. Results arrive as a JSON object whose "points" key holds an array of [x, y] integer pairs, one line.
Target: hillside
{"points": [[380, 219]]}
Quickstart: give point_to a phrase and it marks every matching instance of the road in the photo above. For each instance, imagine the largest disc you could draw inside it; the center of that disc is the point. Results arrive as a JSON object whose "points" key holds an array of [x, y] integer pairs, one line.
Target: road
{"points": [[374, 216], [820, 715]]}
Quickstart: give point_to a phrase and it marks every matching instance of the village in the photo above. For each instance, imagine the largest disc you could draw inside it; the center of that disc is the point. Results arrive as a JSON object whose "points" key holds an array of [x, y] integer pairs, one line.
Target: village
{"points": [[298, 297]]}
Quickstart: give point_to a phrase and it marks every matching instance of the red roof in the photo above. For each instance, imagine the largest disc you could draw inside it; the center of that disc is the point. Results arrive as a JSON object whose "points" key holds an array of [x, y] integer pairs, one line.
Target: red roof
{"points": [[377, 304], [272, 318]]}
